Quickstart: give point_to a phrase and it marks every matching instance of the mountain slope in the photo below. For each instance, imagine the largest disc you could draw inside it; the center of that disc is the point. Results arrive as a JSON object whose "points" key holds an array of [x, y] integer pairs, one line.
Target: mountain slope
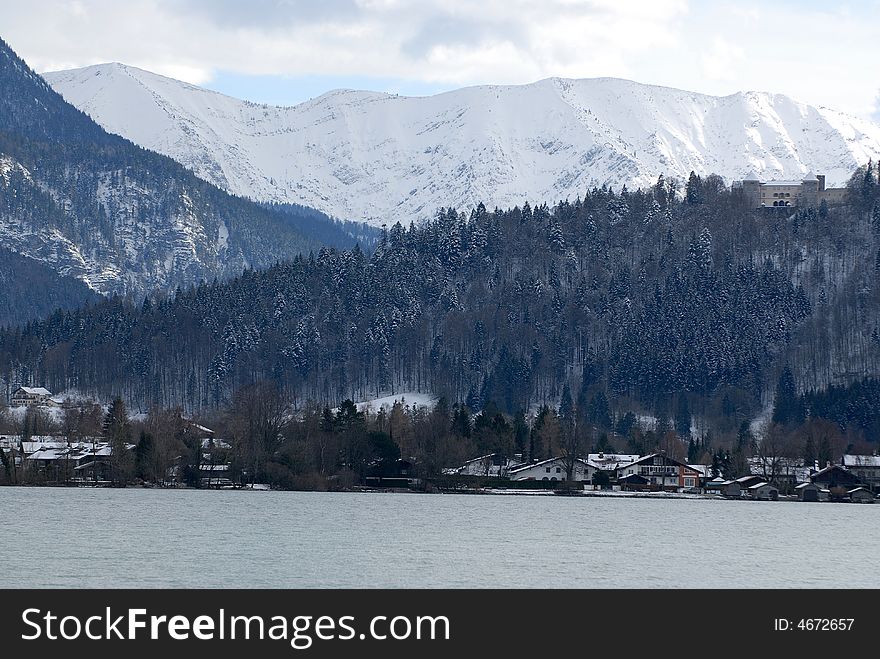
{"points": [[381, 158], [122, 219], [632, 295], [30, 290]]}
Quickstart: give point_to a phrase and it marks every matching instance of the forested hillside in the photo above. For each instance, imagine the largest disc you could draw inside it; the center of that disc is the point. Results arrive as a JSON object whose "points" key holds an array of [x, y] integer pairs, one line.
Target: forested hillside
{"points": [[30, 290], [95, 207], [638, 301]]}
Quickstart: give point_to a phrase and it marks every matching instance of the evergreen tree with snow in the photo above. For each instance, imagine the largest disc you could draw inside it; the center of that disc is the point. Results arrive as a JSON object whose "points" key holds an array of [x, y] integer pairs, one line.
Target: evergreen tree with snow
{"points": [[694, 189], [787, 408]]}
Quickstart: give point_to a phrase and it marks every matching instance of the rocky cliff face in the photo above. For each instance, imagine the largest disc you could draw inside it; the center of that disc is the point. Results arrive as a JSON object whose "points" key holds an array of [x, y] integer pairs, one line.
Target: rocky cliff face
{"points": [[122, 219]]}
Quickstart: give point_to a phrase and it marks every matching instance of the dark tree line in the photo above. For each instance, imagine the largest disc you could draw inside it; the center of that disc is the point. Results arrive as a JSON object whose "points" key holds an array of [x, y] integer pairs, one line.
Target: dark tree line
{"points": [[632, 299], [30, 290]]}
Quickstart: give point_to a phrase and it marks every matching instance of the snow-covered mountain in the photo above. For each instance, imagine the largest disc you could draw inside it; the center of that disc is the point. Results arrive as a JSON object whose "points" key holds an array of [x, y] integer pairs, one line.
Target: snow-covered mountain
{"points": [[96, 208], [381, 157]]}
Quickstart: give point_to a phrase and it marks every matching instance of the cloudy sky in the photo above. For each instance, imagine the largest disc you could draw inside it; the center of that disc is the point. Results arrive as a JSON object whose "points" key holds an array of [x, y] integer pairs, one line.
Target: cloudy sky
{"points": [[286, 51]]}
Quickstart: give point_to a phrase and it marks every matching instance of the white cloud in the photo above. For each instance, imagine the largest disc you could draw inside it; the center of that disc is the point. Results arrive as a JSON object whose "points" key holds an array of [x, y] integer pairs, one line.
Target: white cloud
{"points": [[813, 52], [453, 41], [720, 63]]}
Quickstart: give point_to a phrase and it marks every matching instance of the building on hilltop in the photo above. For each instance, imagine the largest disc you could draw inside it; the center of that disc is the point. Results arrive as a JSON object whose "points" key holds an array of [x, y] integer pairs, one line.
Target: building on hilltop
{"points": [[28, 396], [805, 193]]}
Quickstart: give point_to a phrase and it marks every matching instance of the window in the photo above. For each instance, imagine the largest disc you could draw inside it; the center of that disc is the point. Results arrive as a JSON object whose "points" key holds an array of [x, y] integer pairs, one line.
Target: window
{"points": [[689, 482], [547, 470], [558, 470]]}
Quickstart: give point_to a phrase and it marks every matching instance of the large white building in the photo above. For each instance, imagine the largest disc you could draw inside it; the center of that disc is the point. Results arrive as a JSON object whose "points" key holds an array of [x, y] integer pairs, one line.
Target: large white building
{"points": [[553, 469], [808, 192], [28, 396]]}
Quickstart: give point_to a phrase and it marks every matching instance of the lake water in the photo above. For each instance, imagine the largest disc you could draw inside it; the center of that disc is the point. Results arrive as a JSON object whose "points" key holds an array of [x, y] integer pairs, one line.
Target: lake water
{"points": [[139, 538]]}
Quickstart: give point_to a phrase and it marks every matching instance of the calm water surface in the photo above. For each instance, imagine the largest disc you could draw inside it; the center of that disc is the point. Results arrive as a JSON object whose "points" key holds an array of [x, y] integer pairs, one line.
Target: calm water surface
{"points": [[190, 539]]}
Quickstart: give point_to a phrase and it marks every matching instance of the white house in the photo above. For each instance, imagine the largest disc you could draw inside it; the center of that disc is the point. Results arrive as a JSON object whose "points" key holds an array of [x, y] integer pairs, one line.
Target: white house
{"points": [[865, 467], [763, 492], [553, 469], [611, 462], [705, 472], [493, 465], [28, 396]]}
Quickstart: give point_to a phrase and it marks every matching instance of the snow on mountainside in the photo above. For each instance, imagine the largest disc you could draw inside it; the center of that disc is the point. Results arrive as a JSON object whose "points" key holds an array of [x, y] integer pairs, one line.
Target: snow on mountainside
{"points": [[381, 157], [97, 208]]}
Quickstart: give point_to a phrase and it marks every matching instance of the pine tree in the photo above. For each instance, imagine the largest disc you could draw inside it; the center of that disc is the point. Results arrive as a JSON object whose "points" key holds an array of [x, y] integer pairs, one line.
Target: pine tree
{"points": [[599, 413], [117, 432], [461, 422], [869, 184], [566, 408], [694, 189], [787, 408], [683, 417], [809, 452]]}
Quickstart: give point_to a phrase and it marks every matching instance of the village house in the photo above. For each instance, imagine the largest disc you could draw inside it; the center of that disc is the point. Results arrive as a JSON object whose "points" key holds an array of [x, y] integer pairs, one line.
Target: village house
{"points": [[56, 460], [215, 465], [608, 466], [784, 473], [810, 492], [763, 492], [865, 467], [835, 476], [491, 465], [33, 396], [861, 495], [745, 482], [705, 472], [553, 469], [715, 485], [611, 462], [662, 470], [730, 489], [634, 482]]}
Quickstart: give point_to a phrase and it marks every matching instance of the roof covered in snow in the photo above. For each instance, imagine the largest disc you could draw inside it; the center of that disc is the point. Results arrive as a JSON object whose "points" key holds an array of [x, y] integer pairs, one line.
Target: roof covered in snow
{"points": [[35, 391], [609, 461], [861, 460]]}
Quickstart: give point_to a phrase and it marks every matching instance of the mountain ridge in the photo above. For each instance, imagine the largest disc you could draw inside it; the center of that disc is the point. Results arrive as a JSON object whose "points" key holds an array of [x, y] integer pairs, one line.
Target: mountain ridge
{"points": [[379, 157], [121, 218]]}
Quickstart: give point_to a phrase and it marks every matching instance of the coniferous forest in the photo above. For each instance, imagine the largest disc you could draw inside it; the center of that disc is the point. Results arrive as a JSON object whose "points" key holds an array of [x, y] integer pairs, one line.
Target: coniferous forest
{"points": [[642, 302]]}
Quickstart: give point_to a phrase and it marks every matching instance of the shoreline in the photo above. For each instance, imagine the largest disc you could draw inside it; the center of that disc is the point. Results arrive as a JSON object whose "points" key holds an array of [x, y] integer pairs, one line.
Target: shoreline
{"points": [[510, 492]]}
